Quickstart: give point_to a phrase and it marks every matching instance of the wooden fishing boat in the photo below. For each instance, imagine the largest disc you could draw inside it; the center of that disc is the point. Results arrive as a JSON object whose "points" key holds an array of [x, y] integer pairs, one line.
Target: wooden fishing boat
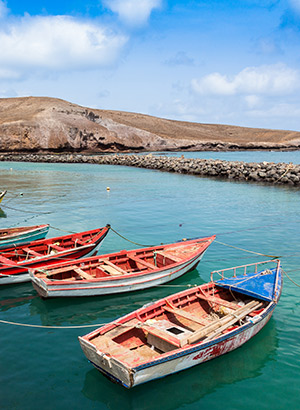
{"points": [[25, 234], [120, 272], [187, 328], [16, 261], [2, 195]]}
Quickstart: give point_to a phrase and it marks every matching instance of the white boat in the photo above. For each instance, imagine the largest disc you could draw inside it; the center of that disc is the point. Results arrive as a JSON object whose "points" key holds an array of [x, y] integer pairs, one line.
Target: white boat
{"points": [[120, 272], [187, 328]]}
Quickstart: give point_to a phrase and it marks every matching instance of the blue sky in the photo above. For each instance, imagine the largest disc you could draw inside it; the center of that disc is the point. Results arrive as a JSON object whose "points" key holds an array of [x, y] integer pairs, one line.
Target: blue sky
{"points": [[212, 61]]}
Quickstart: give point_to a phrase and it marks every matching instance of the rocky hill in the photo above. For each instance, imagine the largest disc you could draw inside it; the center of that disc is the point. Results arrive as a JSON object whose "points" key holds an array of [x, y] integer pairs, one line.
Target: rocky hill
{"points": [[49, 124]]}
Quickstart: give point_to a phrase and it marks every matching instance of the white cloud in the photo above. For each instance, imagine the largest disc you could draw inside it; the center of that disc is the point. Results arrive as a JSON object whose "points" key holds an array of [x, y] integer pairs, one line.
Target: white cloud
{"points": [[252, 101], [133, 12], [57, 43], [275, 79]]}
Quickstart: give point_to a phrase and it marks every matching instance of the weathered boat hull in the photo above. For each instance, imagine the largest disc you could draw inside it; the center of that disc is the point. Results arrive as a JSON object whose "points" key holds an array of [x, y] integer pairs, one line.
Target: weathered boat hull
{"points": [[19, 272], [110, 287], [181, 360], [186, 328], [33, 234]]}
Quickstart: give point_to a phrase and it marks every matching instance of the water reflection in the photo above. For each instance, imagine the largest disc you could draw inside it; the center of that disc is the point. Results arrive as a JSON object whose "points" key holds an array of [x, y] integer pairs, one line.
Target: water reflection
{"points": [[2, 213], [188, 386]]}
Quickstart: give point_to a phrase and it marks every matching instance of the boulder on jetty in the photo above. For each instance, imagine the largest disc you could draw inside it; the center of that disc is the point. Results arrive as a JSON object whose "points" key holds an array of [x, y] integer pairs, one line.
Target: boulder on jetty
{"points": [[263, 172]]}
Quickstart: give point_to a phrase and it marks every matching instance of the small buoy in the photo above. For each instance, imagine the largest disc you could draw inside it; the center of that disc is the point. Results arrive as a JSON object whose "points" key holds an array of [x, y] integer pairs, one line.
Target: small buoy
{"points": [[21, 193], [108, 188]]}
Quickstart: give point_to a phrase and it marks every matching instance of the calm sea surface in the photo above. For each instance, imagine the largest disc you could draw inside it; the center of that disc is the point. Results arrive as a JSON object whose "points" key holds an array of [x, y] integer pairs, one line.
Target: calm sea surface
{"points": [[46, 369]]}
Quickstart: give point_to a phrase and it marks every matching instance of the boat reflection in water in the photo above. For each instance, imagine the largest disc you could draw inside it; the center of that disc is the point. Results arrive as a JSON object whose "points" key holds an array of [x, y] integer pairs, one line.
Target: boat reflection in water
{"points": [[188, 387], [2, 213]]}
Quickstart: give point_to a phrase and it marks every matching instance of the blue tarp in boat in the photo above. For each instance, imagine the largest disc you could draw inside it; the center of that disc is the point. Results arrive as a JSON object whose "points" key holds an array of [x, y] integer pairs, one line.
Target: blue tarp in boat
{"points": [[259, 285]]}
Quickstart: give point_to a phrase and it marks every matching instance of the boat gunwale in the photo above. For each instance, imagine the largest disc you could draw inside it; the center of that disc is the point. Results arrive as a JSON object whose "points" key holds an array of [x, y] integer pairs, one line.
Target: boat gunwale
{"points": [[192, 348], [188, 260], [24, 266], [23, 230]]}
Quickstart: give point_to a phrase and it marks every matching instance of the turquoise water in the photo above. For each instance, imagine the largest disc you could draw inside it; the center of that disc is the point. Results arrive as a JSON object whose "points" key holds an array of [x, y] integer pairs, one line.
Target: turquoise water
{"points": [[45, 368], [246, 156]]}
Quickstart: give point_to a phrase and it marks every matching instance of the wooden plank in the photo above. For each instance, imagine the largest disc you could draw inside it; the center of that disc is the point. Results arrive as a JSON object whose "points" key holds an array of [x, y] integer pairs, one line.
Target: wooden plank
{"points": [[107, 262], [58, 270], [83, 274], [109, 269], [7, 261], [237, 315], [234, 319], [218, 301], [165, 254], [185, 315], [164, 336], [142, 262], [57, 247], [32, 252]]}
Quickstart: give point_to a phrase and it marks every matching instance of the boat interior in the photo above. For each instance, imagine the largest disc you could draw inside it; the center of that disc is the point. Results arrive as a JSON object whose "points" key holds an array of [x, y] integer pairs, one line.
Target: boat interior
{"points": [[200, 315], [46, 247], [123, 263]]}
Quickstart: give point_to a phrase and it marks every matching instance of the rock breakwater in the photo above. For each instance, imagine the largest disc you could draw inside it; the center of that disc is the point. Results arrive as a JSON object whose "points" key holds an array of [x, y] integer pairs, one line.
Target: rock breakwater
{"points": [[263, 172]]}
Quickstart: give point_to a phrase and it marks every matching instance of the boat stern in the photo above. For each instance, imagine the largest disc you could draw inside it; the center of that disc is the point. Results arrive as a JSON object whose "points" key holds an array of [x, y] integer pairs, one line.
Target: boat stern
{"points": [[109, 366]]}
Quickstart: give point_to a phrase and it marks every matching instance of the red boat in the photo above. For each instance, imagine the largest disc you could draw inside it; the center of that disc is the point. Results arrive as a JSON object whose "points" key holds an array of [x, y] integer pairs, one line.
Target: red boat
{"points": [[16, 261], [187, 328], [124, 271]]}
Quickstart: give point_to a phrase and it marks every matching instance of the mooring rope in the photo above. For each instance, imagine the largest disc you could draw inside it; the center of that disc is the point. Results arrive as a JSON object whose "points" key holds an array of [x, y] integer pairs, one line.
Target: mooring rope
{"points": [[128, 240], [246, 250], [50, 327], [296, 284]]}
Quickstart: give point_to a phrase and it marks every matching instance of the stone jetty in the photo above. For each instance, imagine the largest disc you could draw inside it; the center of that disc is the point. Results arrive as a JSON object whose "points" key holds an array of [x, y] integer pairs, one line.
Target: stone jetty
{"points": [[262, 172]]}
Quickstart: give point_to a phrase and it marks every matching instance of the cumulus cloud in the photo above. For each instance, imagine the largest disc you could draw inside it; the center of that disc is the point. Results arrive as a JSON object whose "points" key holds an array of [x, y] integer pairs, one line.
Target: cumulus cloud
{"points": [[275, 79], [57, 43], [133, 12]]}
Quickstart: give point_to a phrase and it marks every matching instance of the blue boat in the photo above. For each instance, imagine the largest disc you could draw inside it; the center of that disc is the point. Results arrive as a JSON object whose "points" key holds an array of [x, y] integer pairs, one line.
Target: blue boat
{"points": [[21, 235]]}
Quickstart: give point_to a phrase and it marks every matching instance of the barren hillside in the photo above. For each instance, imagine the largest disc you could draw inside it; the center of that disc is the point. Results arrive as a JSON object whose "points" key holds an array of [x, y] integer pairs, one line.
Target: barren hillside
{"points": [[42, 123]]}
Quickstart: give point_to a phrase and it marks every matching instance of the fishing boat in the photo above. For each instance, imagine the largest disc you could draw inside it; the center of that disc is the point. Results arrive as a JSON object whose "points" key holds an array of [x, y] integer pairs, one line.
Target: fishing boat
{"points": [[124, 271], [2, 195], [16, 261], [25, 234], [186, 328]]}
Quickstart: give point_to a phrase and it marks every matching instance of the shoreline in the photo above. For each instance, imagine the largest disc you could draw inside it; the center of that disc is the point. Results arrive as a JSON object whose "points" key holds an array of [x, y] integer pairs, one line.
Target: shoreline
{"points": [[262, 172]]}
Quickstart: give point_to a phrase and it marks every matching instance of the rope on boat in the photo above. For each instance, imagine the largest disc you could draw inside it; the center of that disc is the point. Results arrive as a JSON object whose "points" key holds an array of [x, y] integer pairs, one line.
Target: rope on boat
{"points": [[245, 250]]}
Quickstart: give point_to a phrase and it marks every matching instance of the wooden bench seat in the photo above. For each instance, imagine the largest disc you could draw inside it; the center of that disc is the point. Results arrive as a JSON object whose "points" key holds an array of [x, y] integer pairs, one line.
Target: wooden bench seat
{"points": [[83, 274], [142, 262], [32, 252], [185, 315], [218, 301], [169, 255], [7, 261], [112, 265], [56, 247]]}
